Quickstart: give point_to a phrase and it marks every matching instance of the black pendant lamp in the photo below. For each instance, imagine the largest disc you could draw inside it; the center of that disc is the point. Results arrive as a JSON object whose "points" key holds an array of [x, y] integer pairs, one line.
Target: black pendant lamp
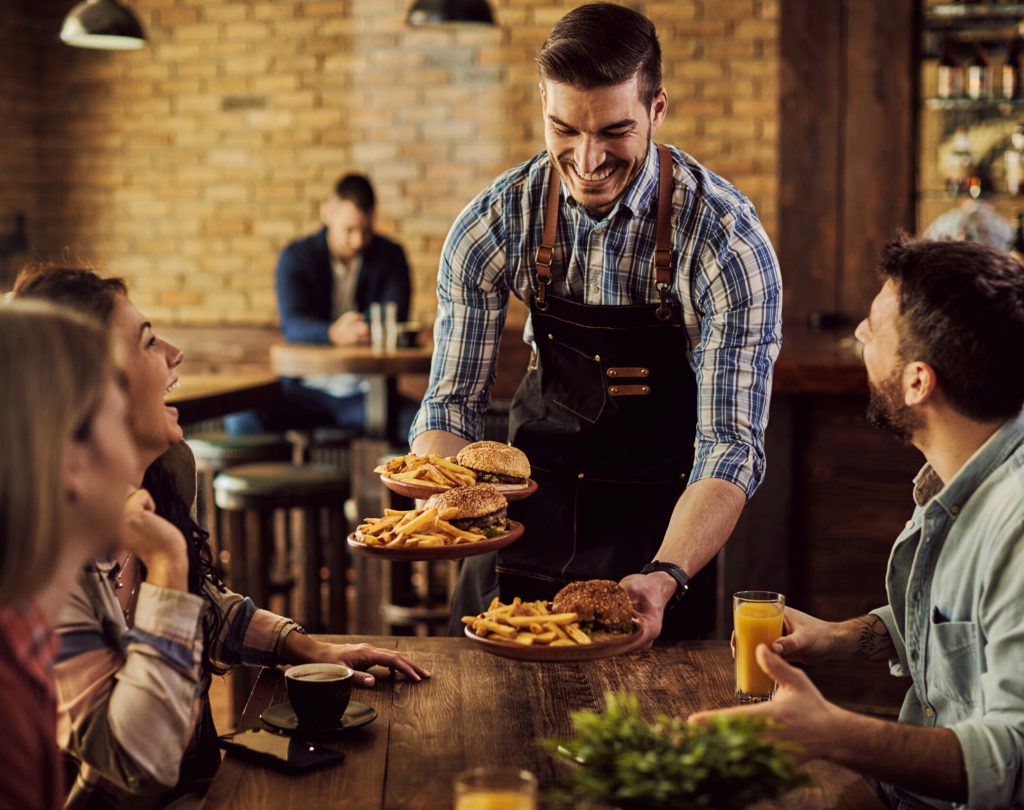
{"points": [[427, 12], [104, 24]]}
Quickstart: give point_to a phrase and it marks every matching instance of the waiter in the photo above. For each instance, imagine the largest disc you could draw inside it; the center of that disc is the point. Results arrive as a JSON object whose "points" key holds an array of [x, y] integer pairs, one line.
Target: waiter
{"points": [[655, 321]]}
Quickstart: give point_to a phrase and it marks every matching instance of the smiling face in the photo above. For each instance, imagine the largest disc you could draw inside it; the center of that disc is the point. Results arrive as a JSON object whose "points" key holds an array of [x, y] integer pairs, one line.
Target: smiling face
{"points": [[598, 138], [149, 364], [879, 336]]}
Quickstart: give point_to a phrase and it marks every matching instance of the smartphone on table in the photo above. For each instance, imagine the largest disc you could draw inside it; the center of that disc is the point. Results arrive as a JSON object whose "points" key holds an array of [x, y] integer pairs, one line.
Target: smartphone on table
{"points": [[289, 754]]}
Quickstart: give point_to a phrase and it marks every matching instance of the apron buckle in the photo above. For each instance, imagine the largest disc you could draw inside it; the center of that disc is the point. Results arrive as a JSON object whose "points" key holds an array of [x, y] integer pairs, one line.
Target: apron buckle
{"points": [[664, 312], [540, 299]]}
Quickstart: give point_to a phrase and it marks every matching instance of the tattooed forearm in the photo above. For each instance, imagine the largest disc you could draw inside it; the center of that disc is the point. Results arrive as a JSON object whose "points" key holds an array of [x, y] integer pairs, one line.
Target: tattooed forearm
{"points": [[872, 640]]}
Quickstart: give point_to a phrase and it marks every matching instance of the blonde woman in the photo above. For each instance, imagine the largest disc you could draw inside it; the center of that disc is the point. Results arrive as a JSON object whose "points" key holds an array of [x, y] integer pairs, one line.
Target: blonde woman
{"points": [[66, 465]]}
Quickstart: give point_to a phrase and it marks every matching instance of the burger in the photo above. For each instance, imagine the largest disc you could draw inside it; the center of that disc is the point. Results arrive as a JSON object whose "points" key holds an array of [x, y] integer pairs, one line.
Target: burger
{"points": [[495, 463], [600, 604], [479, 508]]}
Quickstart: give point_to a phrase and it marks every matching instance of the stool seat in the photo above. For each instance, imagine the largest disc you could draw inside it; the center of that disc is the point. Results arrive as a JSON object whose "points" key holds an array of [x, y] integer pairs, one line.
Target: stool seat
{"points": [[280, 481], [222, 449]]}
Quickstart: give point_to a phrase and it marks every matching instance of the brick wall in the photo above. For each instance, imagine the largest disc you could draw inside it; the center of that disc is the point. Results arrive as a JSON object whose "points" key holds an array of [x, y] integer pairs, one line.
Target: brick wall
{"points": [[187, 165]]}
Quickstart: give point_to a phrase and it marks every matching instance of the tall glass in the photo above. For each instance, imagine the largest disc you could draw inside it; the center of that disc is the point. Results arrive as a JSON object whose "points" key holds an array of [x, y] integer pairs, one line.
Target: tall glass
{"points": [[495, 789], [757, 619]]}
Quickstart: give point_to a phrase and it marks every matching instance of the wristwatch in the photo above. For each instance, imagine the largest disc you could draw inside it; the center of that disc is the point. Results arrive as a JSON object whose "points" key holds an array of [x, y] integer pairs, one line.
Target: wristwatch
{"points": [[678, 574]]}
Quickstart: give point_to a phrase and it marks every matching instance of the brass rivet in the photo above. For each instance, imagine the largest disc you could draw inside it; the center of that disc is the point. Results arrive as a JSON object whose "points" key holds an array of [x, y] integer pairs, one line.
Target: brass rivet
{"points": [[613, 373], [613, 390], [644, 372], [550, 336], [579, 475], [645, 389], [597, 357]]}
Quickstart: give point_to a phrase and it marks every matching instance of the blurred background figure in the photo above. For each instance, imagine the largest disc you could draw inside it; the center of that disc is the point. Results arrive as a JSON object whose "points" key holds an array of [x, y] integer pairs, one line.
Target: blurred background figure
{"points": [[972, 221]]}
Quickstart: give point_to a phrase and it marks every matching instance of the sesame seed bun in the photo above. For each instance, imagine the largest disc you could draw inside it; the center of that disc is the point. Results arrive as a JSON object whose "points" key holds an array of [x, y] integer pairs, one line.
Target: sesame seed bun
{"points": [[496, 458], [472, 502]]}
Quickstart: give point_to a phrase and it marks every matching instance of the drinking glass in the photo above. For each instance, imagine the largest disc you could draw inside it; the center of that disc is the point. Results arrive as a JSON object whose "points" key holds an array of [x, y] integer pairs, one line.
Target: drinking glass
{"points": [[495, 789], [376, 328], [757, 619]]}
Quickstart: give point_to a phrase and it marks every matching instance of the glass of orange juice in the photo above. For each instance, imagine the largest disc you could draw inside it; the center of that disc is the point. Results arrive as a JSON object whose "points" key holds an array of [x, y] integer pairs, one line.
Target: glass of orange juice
{"points": [[495, 789], [757, 619]]}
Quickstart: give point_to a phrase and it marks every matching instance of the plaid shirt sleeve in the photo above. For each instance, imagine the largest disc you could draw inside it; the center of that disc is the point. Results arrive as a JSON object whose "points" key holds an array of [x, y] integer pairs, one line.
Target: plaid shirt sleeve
{"points": [[737, 288], [472, 299]]}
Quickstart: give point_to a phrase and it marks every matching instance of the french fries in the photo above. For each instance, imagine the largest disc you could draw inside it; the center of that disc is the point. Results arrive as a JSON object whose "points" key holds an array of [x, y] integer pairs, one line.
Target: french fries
{"points": [[427, 471], [529, 623], [416, 528]]}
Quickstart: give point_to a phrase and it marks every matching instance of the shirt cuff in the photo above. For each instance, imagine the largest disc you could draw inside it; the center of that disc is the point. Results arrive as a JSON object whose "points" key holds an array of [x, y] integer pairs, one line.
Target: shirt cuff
{"points": [[171, 614], [992, 761], [459, 420], [734, 463], [897, 665]]}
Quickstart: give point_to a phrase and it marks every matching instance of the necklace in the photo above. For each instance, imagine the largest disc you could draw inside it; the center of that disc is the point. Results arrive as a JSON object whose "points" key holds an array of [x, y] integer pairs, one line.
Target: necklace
{"points": [[119, 584]]}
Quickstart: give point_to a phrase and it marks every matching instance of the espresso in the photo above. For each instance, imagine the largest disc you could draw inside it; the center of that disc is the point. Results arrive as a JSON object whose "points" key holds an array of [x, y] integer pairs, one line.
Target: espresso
{"points": [[318, 676]]}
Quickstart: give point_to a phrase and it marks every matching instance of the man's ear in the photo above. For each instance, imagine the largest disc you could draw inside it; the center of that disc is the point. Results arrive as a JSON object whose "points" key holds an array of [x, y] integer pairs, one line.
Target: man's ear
{"points": [[919, 383], [659, 109]]}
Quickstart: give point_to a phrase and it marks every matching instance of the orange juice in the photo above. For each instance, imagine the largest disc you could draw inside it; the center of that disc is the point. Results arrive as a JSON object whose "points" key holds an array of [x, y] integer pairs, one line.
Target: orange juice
{"points": [[495, 800], [755, 623]]}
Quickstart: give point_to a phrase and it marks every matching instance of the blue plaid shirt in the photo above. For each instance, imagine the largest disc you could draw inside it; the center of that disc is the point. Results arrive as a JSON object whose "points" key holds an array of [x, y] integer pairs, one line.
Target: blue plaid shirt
{"points": [[726, 278]]}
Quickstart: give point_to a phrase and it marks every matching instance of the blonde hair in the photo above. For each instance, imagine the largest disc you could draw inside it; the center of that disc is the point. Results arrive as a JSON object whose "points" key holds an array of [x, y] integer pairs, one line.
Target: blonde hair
{"points": [[54, 365]]}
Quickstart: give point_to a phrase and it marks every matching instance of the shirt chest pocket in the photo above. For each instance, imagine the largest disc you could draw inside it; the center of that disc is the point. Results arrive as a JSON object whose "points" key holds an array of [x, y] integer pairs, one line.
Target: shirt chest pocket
{"points": [[954, 665]]}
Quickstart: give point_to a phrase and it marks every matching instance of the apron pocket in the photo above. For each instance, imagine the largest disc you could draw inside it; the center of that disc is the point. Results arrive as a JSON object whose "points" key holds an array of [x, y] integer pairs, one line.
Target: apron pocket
{"points": [[572, 379]]}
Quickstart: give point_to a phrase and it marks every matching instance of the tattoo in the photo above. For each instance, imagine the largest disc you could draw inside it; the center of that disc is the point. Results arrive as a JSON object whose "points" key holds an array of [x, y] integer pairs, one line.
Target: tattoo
{"points": [[873, 641]]}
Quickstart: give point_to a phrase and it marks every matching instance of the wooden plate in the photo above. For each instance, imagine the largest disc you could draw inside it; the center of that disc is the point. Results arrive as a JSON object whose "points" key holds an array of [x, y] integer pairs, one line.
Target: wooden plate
{"points": [[420, 491], [438, 552], [616, 645]]}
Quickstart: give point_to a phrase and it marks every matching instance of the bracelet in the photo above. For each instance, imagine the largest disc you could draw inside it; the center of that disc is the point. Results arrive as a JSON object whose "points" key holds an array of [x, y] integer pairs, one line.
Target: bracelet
{"points": [[678, 574]]}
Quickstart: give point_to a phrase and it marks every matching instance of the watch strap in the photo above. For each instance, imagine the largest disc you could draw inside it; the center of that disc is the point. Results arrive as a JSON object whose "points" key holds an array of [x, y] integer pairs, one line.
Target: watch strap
{"points": [[678, 574]]}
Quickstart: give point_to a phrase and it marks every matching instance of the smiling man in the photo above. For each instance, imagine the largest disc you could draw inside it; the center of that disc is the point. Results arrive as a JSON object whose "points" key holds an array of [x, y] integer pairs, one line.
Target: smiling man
{"points": [[942, 346], [655, 302]]}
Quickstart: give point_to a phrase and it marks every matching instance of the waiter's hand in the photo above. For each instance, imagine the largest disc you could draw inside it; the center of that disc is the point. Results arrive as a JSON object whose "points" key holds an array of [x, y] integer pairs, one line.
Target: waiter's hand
{"points": [[650, 594]]}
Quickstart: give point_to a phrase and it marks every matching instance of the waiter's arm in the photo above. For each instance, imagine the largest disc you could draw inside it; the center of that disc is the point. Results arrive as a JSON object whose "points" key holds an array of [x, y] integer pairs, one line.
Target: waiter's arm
{"points": [[438, 442], [733, 311]]}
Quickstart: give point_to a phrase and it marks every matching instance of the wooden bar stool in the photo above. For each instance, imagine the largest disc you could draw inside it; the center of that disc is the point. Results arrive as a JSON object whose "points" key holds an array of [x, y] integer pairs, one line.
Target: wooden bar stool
{"points": [[249, 497], [215, 452]]}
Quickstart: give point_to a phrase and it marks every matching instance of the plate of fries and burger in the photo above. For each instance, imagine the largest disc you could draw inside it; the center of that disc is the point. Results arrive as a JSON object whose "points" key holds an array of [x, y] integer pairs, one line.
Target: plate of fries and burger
{"points": [[585, 621], [454, 523], [501, 465]]}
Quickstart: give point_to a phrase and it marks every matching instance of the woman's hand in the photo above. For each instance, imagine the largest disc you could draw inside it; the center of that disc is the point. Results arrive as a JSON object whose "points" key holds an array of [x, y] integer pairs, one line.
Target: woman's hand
{"points": [[155, 541], [361, 657]]}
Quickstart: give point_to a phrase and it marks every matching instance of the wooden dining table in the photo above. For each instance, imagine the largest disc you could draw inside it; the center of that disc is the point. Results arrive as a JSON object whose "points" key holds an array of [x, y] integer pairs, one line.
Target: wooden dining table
{"points": [[380, 368], [479, 709], [206, 396]]}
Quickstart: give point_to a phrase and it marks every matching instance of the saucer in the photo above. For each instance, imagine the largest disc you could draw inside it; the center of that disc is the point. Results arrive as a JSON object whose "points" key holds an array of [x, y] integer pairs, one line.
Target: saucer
{"points": [[282, 717]]}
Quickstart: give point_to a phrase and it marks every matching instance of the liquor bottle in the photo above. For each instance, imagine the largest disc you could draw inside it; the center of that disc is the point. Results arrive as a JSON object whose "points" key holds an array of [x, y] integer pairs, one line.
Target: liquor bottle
{"points": [[963, 176], [1017, 249], [951, 73], [979, 74], [1013, 161], [1010, 76]]}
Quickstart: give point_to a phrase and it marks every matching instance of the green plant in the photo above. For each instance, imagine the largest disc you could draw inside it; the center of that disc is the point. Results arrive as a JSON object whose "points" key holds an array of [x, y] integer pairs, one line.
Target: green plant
{"points": [[627, 762]]}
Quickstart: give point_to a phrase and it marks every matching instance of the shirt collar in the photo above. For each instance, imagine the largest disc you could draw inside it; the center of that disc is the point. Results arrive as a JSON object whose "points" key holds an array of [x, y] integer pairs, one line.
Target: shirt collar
{"points": [[32, 642], [986, 459], [638, 194]]}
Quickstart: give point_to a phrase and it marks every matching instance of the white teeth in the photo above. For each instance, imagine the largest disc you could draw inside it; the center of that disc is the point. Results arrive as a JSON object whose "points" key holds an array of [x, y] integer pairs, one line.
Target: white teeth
{"points": [[171, 387], [601, 175]]}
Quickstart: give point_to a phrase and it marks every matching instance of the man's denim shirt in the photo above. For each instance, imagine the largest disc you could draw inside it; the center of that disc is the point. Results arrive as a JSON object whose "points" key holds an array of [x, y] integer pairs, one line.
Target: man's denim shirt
{"points": [[956, 616]]}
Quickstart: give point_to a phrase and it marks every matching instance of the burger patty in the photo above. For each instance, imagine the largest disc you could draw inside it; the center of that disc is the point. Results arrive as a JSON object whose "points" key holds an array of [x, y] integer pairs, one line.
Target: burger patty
{"points": [[478, 523], [497, 478]]}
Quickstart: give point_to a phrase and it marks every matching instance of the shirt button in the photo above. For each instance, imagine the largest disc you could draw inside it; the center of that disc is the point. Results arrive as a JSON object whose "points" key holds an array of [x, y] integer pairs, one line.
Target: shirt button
{"points": [[917, 596], [913, 656], [955, 509], [910, 524], [929, 711]]}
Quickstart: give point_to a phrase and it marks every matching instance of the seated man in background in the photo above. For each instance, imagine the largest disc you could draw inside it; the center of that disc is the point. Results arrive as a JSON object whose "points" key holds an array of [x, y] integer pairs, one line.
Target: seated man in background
{"points": [[326, 283], [942, 346]]}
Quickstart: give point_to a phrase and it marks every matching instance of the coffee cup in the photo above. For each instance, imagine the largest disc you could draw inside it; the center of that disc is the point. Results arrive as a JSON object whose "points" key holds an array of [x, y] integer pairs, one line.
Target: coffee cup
{"points": [[319, 693]]}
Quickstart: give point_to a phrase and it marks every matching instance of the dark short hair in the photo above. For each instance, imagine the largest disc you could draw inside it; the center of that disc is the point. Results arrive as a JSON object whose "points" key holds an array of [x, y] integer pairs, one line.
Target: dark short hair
{"points": [[601, 45], [74, 287], [961, 310], [357, 189]]}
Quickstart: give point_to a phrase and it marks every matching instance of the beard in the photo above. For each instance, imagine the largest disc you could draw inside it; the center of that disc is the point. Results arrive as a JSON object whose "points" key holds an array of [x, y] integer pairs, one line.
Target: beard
{"points": [[888, 411]]}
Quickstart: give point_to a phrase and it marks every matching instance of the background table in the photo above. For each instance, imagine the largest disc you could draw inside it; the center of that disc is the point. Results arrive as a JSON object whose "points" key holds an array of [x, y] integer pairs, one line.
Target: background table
{"points": [[379, 368], [478, 709], [206, 396]]}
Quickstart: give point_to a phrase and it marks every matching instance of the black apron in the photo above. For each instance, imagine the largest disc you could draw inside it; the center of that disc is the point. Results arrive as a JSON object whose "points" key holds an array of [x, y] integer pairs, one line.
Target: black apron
{"points": [[606, 414]]}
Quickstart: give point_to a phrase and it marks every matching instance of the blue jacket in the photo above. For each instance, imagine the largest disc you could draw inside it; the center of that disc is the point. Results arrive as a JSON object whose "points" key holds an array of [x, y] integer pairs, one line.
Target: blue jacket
{"points": [[305, 284]]}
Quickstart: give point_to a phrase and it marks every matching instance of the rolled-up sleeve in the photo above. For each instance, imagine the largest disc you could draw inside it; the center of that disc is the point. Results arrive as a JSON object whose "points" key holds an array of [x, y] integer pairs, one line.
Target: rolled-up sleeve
{"points": [[993, 744], [738, 292], [897, 664], [248, 635], [472, 299]]}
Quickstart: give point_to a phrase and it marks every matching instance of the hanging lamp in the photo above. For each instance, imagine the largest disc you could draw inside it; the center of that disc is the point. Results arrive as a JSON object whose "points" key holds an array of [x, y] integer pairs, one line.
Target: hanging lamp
{"points": [[104, 24], [428, 12]]}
